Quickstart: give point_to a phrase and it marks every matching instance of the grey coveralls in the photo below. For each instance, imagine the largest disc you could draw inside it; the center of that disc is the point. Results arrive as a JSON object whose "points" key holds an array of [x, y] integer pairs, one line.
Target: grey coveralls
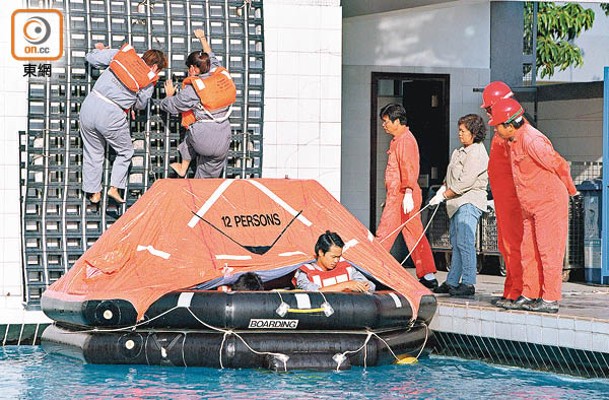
{"points": [[208, 141], [103, 120]]}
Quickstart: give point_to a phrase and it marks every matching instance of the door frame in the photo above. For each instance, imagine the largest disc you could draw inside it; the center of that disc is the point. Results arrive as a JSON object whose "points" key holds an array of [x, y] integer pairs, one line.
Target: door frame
{"points": [[374, 83]]}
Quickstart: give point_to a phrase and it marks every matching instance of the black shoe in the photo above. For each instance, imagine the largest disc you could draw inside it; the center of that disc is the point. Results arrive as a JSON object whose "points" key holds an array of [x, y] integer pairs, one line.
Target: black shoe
{"points": [[432, 284], [443, 288], [541, 305], [517, 304], [463, 290], [499, 302]]}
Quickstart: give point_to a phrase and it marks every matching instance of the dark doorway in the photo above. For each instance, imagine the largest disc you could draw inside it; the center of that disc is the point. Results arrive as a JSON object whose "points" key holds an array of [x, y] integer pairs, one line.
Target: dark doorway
{"points": [[426, 99]]}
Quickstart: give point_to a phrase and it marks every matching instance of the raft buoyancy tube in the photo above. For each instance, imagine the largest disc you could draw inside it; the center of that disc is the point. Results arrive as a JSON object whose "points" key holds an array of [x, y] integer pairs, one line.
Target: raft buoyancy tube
{"points": [[306, 350], [310, 361], [259, 310], [115, 312]]}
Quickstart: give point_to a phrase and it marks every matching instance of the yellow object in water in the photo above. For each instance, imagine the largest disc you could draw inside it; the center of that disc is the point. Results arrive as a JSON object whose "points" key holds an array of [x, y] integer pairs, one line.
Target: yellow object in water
{"points": [[404, 359]]}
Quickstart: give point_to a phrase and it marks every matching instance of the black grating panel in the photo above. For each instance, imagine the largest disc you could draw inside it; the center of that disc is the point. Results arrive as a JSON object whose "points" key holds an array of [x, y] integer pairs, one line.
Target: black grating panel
{"points": [[590, 364], [58, 223]]}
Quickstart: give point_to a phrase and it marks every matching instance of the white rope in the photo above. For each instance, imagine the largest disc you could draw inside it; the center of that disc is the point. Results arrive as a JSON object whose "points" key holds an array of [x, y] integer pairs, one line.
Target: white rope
{"points": [[422, 234], [403, 224], [125, 328], [326, 308], [339, 357], [227, 332], [222, 349], [425, 341]]}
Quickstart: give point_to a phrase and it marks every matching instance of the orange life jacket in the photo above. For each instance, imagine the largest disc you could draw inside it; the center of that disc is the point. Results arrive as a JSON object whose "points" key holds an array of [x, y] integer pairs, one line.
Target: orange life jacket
{"points": [[131, 70], [217, 91], [343, 272]]}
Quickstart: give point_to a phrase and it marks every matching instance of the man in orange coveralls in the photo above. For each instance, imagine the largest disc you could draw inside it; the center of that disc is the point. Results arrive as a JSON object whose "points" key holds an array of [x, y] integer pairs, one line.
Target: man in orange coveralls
{"points": [[404, 195], [543, 185], [507, 207]]}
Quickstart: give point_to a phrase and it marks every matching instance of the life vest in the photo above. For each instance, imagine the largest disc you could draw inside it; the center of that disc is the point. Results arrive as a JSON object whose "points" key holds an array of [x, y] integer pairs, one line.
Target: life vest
{"points": [[216, 91], [131, 70], [343, 272]]}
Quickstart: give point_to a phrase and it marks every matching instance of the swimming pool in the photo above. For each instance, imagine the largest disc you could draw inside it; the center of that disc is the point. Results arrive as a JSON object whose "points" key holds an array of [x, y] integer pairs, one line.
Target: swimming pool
{"points": [[27, 372]]}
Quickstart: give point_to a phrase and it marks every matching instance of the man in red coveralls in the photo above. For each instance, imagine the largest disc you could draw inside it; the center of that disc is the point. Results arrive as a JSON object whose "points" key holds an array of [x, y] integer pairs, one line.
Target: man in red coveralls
{"points": [[507, 207], [404, 195], [543, 185]]}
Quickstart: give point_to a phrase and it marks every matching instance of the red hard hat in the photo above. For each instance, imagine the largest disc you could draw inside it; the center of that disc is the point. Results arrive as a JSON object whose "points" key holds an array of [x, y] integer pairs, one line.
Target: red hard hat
{"points": [[495, 91], [505, 111]]}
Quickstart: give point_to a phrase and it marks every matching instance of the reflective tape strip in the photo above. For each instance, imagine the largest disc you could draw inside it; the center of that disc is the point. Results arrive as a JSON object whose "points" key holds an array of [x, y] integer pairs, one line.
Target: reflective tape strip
{"points": [[349, 244], [396, 299], [104, 98], [128, 73], [214, 119], [291, 253], [154, 252], [199, 83], [312, 267], [210, 202], [279, 201], [303, 301], [185, 299]]}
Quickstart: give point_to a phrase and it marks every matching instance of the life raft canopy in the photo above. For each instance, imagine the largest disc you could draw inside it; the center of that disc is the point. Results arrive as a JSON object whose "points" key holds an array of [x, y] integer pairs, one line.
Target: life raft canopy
{"points": [[201, 230]]}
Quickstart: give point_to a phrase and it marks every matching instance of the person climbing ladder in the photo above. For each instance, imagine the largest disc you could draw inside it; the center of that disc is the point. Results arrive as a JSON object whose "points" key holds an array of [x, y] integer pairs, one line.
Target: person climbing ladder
{"points": [[205, 103]]}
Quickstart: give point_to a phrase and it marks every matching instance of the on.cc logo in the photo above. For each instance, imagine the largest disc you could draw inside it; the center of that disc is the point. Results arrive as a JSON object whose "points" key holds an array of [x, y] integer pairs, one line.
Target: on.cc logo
{"points": [[37, 34]]}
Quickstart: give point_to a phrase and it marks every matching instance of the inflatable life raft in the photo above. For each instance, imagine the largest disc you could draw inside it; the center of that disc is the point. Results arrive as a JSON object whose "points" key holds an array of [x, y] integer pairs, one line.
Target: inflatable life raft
{"points": [[129, 297], [239, 310], [279, 330]]}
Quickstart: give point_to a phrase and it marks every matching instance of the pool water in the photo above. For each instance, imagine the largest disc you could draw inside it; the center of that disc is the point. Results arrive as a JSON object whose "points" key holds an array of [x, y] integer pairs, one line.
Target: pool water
{"points": [[27, 372]]}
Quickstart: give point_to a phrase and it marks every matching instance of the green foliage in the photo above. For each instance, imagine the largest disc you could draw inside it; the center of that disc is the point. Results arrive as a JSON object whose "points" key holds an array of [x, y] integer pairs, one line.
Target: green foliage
{"points": [[557, 26]]}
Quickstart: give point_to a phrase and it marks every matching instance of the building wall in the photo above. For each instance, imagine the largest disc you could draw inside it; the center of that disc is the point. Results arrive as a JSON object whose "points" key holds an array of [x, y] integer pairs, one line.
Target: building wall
{"points": [[302, 94], [571, 115], [13, 118], [575, 127], [302, 134], [452, 39]]}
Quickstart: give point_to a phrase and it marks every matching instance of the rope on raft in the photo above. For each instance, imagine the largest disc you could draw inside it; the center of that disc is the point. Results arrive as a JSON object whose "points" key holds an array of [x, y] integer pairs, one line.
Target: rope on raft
{"points": [[399, 228], [422, 234], [339, 358]]}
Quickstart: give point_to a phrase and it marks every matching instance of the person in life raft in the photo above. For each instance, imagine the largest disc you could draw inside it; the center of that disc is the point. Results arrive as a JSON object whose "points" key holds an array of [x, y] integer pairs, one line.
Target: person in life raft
{"points": [[329, 273], [205, 104], [104, 116]]}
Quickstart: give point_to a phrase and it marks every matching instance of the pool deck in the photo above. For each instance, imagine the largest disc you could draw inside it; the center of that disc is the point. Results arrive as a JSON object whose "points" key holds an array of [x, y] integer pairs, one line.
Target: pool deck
{"points": [[18, 326], [574, 341]]}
